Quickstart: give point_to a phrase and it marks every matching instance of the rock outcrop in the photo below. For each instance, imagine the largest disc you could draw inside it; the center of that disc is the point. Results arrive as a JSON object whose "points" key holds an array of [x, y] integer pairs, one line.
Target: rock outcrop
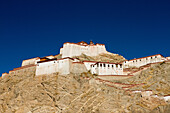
{"points": [[104, 57]]}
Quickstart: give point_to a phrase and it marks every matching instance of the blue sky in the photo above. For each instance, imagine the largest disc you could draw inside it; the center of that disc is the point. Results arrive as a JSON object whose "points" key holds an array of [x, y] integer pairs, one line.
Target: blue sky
{"points": [[32, 28]]}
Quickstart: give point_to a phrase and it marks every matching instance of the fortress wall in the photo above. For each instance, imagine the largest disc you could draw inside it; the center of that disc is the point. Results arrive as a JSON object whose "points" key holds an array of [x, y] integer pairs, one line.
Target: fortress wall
{"points": [[50, 57], [61, 50], [46, 68], [29, 61], [26, 70], [66, 66], [62, 66], [101, 49], [107, 69], [144, 61], [73, 49], [78, 68], [88, 64]]}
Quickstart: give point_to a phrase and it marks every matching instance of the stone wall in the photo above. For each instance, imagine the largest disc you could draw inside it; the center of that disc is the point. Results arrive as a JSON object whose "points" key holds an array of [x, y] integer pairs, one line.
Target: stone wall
{"points": [[23, 70], [78, 68]]}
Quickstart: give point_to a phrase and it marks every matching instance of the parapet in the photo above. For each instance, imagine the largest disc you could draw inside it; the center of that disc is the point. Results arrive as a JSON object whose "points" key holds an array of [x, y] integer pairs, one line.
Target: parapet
{"points": [[30, 61]]}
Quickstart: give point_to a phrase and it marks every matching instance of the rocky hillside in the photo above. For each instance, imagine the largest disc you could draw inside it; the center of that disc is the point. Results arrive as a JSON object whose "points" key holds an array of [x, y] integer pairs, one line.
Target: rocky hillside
{"points": [[156, 78], [109, 57], [25, 93]]}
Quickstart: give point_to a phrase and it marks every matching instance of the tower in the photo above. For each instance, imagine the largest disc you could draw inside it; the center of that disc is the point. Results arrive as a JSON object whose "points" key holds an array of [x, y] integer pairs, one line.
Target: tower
{"points": [[91, 42]]}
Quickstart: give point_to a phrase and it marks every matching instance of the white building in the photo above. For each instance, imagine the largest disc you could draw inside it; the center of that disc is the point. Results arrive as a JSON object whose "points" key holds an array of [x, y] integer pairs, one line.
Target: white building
{"points": [[106, 68], [76, 49], [62, 66], [144, 61], [67, 65], [88, 64]]}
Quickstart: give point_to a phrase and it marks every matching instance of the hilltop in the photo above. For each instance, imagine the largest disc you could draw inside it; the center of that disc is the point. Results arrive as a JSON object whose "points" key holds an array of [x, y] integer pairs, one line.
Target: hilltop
{"points": [[26, 93], [85, 78]]}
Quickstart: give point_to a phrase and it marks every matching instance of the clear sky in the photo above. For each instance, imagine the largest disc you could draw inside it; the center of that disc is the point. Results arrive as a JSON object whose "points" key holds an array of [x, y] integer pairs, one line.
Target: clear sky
{"points": [[37, 28]]}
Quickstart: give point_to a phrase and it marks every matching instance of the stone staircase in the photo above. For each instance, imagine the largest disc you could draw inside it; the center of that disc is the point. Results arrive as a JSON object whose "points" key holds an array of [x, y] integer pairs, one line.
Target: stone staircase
{"points": [[117, 85]]}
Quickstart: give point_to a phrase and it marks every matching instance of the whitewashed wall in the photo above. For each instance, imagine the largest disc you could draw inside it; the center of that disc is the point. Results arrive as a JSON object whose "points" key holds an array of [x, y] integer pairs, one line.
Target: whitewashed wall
{"points": [[61, 66], [108, 69], [143, 61], [30, 61], [70, 50], [88, 64]]}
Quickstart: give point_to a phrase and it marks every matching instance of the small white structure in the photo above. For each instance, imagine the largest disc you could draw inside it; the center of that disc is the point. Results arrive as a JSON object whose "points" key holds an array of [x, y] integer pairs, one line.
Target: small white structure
{"points": [[76, 49], [166, 98], [107, 68], [4, 74], [144, 61]]}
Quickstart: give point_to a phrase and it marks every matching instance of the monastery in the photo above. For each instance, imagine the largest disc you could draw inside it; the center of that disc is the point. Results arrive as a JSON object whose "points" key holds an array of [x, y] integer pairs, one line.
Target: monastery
{"points": [[67, 64]]}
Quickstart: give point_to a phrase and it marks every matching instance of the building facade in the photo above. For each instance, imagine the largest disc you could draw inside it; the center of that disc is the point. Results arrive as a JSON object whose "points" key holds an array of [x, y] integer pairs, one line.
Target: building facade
{"points": [[144, 61], [76, 49], [66, 64], [106, 68], [61, 66]]}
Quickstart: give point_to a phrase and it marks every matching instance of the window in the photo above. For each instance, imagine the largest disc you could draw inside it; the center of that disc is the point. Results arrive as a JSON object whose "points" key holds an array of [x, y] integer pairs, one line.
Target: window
{"points": [[155, 56], [100, 65], [146, 58], [116, 65], [136, 60], [112, 66], [133, 61], [104, 65], [108, 65], [120, 65], [151, 57], [140, 60]]}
